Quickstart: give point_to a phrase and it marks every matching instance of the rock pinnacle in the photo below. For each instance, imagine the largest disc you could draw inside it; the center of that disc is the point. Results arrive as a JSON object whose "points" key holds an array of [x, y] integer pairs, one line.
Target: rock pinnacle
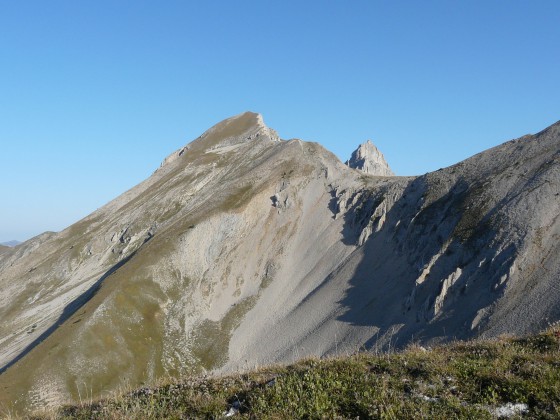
{"points": [[370, 160]]}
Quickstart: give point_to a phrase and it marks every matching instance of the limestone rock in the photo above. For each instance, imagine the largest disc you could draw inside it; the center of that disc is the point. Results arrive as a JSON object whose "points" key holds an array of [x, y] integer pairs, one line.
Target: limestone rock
{"points": [[370, 160]]}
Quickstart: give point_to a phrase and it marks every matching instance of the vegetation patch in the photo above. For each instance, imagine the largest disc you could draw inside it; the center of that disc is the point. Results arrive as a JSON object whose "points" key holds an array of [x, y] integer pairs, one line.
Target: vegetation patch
{"points": [[229, 128], [478, 379], [212, 338], [237, 198]]}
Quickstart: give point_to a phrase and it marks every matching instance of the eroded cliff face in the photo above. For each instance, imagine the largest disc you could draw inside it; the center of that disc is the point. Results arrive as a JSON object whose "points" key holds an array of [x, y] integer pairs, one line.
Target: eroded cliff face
{"points": [[244, 249]]}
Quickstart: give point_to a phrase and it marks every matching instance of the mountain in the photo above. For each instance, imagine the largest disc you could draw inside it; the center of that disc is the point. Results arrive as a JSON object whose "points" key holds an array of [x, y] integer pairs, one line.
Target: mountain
{"points": [[244, 249], [370, 160], [10, 243]]}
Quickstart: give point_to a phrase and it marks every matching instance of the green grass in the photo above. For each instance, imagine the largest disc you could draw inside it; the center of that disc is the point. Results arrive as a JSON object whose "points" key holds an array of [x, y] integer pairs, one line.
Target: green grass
{"points": [[237, 198], [459, 380]]}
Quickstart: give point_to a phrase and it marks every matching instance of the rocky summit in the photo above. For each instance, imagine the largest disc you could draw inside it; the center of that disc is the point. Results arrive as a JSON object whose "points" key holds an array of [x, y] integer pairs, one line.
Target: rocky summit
{"points": [[370, 160], [244, 249]]}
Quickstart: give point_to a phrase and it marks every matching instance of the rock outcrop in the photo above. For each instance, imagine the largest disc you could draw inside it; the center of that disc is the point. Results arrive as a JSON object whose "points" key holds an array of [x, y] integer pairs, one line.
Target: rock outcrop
{"points": [[244, 249], [369, 159]]}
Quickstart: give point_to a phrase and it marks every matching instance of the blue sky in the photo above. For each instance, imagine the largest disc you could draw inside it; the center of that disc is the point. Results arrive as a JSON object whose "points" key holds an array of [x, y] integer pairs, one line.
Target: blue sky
{"points": [[95, 94]]}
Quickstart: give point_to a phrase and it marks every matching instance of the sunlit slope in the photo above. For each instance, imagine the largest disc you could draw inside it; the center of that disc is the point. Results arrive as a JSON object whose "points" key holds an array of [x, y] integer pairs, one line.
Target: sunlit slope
{"points": [[154, 283]]}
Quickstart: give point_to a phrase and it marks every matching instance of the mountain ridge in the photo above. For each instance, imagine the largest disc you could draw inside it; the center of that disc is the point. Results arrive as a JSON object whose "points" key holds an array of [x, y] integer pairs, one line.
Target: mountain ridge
{"points": [[242, 248]]}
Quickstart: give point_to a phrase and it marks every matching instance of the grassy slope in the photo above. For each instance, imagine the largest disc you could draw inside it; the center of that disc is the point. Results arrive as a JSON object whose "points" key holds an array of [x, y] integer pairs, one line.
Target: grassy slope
{"points": [[460, 380]]}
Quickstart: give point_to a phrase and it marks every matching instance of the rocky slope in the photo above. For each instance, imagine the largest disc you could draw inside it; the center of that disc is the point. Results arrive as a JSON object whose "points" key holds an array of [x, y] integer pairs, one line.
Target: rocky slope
{"points": [[245, 249]]}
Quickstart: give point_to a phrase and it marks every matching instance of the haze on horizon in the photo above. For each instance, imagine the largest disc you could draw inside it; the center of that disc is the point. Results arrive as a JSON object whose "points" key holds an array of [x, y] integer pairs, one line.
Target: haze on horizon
{"points": [[95, 96]]}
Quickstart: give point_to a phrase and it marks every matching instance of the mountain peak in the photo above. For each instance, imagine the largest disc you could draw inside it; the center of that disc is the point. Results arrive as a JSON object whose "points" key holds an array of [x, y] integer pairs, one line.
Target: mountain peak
{"points": [[370, 160], [241, 128]]}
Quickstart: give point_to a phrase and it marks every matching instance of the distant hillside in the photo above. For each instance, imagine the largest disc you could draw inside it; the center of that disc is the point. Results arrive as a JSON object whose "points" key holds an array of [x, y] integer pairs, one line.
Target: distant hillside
{"points": [[11, 243]]}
